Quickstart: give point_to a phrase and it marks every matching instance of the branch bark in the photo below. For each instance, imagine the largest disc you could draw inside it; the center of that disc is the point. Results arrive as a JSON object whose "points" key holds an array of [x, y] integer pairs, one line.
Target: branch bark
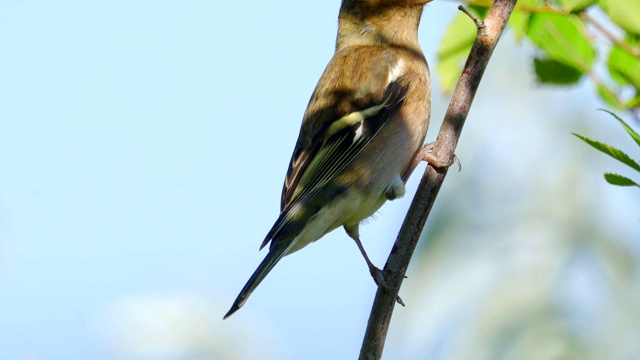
{"points": [[489, 33]]}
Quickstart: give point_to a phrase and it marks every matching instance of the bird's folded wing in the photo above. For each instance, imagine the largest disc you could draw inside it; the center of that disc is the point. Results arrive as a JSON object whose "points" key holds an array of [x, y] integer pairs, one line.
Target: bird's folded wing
{"points": [[335, 148]]}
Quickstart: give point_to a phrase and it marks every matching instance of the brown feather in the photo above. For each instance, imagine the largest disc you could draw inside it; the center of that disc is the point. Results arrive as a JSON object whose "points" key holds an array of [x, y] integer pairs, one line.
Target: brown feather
{"points": [[372, 36]]}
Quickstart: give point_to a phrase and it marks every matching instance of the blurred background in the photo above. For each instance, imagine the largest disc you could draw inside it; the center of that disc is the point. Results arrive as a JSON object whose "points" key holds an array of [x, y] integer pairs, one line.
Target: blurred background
{"points": [[143, 145]]}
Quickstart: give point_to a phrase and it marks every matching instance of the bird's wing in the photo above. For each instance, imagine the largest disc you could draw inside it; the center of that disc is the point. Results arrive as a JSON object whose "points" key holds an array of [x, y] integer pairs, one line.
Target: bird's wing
{"points": [[334, 134], [353, 82]]}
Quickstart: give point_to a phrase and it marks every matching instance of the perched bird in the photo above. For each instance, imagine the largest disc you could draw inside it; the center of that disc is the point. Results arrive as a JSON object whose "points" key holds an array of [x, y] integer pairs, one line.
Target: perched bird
{"points": [[361, 134]]}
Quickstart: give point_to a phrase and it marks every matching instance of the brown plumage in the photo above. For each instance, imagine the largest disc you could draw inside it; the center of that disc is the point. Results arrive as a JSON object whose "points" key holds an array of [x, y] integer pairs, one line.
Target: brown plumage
{"points": [[365, 123]]}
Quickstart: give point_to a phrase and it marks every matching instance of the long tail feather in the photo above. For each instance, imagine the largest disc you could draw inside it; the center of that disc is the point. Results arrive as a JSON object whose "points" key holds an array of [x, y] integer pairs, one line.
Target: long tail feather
{"points": [[275, 254]]}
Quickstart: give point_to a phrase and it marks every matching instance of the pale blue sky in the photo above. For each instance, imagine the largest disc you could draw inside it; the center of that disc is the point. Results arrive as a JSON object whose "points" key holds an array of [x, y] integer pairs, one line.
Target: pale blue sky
{"points": [[143, 146]]}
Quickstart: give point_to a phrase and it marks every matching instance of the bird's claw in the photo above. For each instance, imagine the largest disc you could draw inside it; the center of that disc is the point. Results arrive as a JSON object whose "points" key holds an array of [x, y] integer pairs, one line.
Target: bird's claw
{"points": [[427, 155], [378, 278]]}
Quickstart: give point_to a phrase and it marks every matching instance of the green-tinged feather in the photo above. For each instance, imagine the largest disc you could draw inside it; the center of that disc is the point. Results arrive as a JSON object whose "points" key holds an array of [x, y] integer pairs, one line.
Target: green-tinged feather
{"points": [[352, 119]]}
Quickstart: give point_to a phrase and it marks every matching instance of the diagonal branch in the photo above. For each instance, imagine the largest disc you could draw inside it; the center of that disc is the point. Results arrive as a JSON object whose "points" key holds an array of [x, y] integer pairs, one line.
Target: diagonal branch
{"points": [[489, 32]]}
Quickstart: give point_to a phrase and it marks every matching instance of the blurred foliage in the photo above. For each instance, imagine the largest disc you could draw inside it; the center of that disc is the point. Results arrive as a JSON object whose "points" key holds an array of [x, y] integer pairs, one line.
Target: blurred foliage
{"points": [[531, 256], [575, 39], [524, 270], [611, 178]]}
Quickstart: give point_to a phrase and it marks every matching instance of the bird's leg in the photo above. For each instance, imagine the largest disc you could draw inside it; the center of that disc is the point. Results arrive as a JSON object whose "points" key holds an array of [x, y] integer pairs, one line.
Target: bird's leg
{"points": [[425, 154], [376, 273]]}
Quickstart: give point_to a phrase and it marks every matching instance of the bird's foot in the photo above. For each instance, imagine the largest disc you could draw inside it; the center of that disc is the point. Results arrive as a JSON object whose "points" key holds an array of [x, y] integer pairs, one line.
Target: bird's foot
{"points": [[378, 278], [426, 154], [376, 274]]}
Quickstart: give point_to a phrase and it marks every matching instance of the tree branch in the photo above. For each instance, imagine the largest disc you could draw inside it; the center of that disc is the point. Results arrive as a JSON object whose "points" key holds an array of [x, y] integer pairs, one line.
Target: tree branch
{"points": [[489, 32], [610, 36]]}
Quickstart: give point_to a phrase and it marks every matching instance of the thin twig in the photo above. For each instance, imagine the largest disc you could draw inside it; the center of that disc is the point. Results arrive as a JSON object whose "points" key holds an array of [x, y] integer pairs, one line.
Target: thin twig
{"points": [[545, 9], [407, 240], [600, 84], [529, 9], [473, 16], [609, 35]]}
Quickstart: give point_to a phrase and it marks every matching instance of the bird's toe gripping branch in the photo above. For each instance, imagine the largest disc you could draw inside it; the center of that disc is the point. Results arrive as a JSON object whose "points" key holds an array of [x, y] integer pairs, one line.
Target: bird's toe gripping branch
{"points": [[376, 273], [378, 277], [426, 154]]}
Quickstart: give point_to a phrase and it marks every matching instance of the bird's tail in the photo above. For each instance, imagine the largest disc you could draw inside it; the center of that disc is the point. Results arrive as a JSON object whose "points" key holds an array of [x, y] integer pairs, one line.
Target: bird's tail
{"points": [[275, 254]]}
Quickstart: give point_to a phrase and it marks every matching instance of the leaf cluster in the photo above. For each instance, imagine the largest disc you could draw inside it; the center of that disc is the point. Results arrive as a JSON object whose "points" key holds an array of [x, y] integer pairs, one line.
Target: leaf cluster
{"points": [[574, 39], [611, 178]]}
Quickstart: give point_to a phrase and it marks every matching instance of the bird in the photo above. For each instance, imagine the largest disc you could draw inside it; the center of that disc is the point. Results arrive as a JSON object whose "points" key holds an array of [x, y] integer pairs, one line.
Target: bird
{"points": [[361, 136]]}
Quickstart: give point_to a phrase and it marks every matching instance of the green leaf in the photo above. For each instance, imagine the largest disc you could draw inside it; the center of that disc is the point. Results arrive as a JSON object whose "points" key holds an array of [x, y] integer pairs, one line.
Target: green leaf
{"points": [[518, 23], [624, 67], [616, 179], [449, 71], [532, 3], [611, 151], [634, 135], [577, 5], [624, 13], [454, 49], [480, 11], [562, 38], [554, 72], [634, 102], [609, 96]]}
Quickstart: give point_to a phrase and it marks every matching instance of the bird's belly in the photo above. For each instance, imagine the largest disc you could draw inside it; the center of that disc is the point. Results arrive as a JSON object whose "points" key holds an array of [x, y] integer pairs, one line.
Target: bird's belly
{"points": [[344, 210]]}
